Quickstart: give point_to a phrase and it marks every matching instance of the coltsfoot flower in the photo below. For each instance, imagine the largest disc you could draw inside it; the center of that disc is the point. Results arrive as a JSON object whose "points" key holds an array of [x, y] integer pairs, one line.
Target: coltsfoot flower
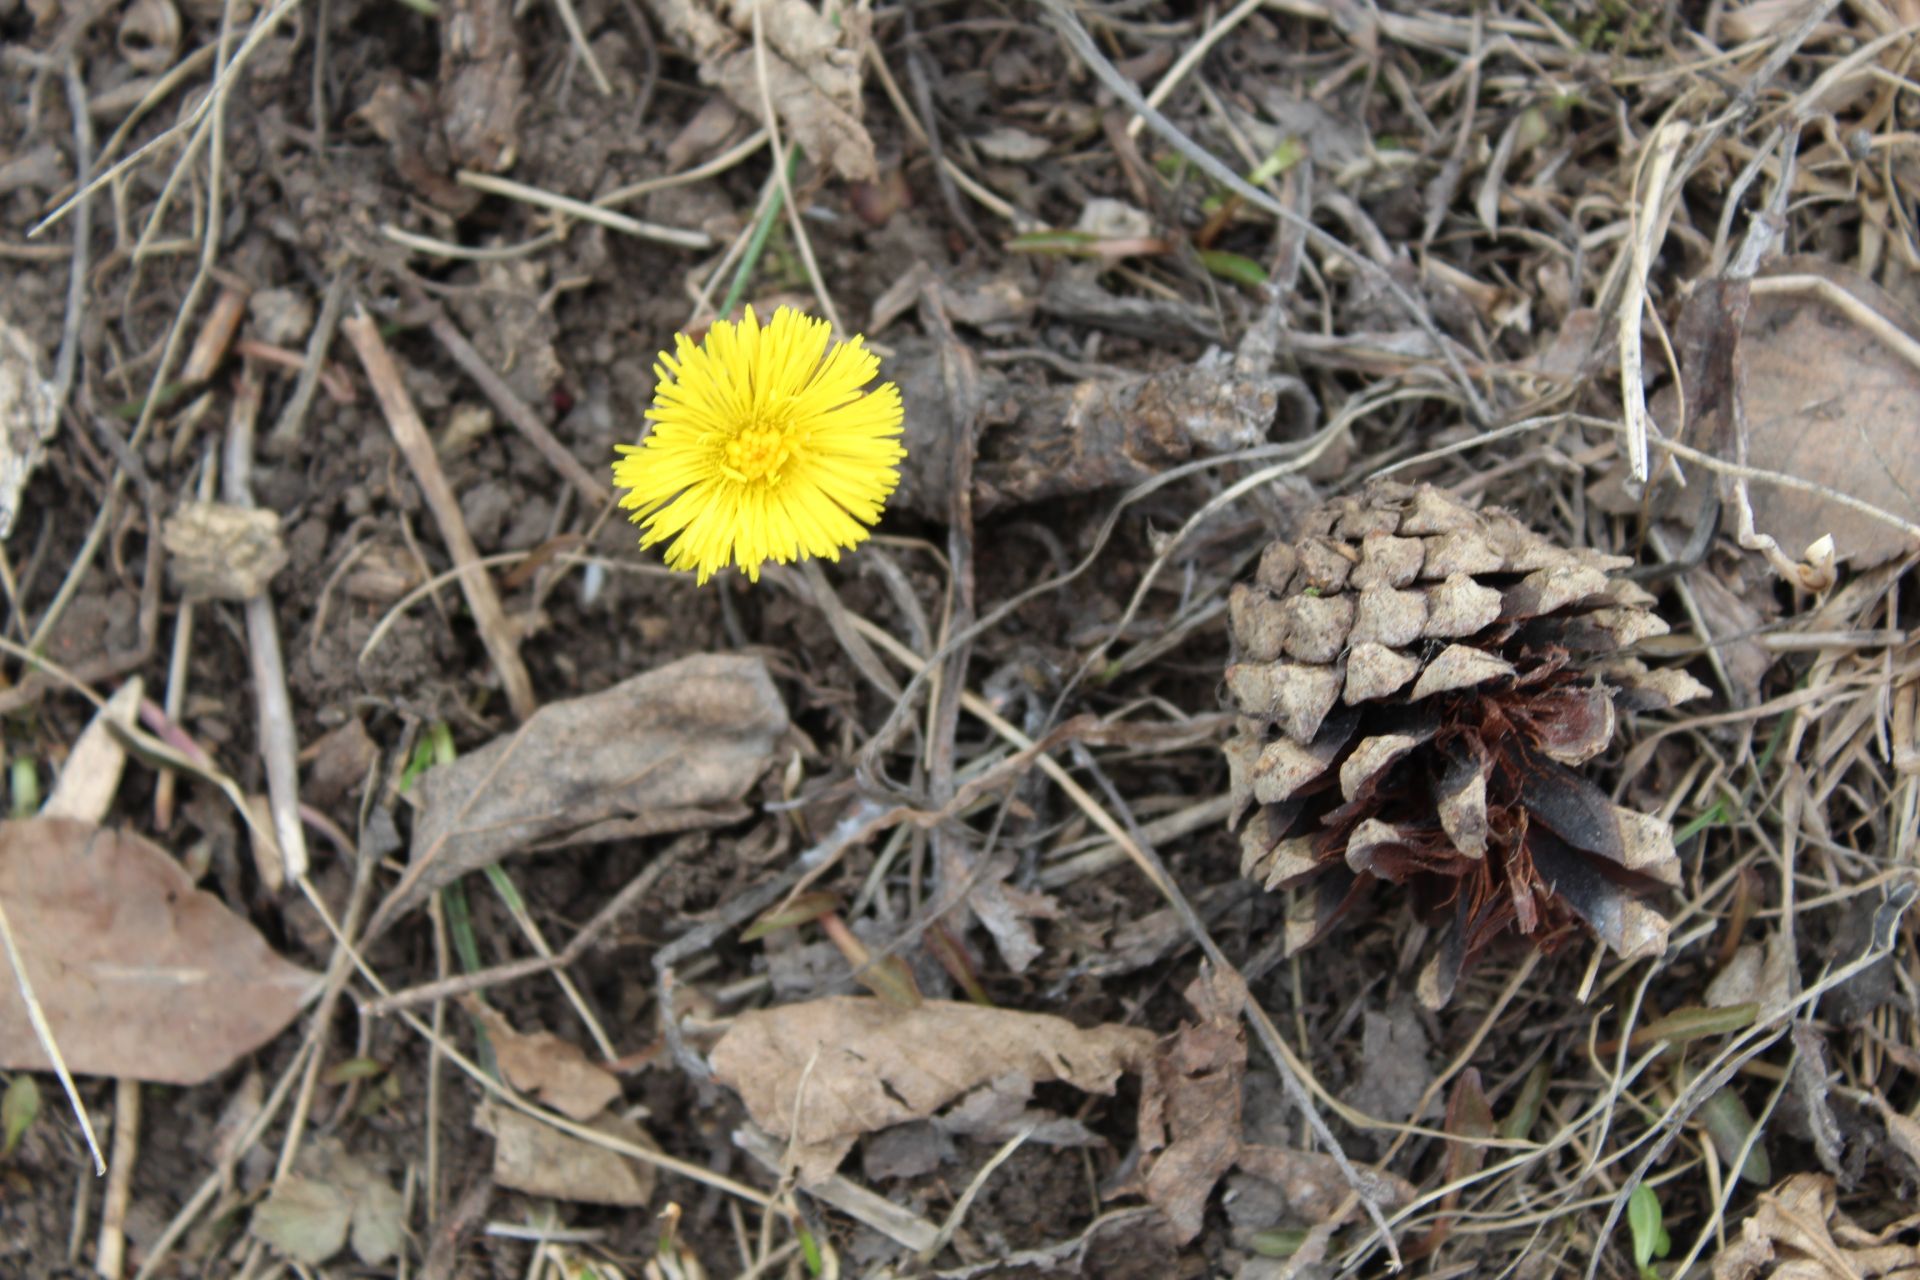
{"points": [[764, 447]]}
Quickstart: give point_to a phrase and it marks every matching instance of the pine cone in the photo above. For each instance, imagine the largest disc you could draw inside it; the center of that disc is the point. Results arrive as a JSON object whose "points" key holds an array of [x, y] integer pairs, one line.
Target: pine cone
{"points": [[1417, 684]]}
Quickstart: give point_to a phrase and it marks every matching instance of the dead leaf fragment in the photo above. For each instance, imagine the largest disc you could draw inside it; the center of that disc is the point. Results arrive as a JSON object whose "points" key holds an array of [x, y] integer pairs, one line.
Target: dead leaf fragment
{"points": [[556, 1071], [1191, 1116], [333, 1199], [651, 754], [540, 1160], [29, 416], [219, 552], [1820, 380], [1795, 1231], [827, 1071], [142, 976], [812, 69], [1190, 1104]]}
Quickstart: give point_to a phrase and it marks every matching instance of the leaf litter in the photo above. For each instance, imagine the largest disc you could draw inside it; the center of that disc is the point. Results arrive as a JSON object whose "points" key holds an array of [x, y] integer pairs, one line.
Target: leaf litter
{"points": [[1433, 230]]}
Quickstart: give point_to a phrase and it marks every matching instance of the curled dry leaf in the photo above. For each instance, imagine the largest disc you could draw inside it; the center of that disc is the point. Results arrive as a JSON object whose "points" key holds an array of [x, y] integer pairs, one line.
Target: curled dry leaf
{"points": [[540, 1160], [671, 750], [141, 975], [1795, 1230], [827, 1071], [555, 1071], [1101, 433], [1191, 1124], [812, 63]]}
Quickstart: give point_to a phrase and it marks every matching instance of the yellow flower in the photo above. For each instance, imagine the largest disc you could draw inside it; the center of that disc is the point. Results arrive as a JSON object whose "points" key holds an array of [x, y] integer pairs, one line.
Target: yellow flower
{"points": [[764, 447]]}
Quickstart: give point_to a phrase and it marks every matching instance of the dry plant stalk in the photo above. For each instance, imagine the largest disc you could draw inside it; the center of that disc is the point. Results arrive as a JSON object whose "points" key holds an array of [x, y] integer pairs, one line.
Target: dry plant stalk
{"points": [[496, 632], [1417, 685]]}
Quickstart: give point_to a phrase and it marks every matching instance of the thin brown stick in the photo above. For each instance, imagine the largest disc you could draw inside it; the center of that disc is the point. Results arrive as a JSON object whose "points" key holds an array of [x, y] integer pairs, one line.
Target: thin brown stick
{"points": [[411, 435]]}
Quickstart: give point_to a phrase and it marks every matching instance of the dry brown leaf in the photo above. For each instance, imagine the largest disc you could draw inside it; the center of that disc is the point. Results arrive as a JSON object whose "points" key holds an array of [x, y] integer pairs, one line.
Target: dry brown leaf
{"points": [[651, 754], [1190, 1103], [812, 63], [1796, 1233], [555, 1071], [826, 1071], [141, 975], [1824, 398], [540, 1160], [1190, 1115]]}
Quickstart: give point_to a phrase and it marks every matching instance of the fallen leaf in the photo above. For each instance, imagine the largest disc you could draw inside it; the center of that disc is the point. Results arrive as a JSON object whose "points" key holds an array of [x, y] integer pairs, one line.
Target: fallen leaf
{"points": [[811, 69], [1795, 1230], [1190, 1103], [1190, 1115], [304, 1219], [998, 1110], [1823, 377], [1469, 1124], [1106, 432], [825, 1072], [651, 754], [333, 1199], [142, 976], [555, 1071], [540, 1160]]}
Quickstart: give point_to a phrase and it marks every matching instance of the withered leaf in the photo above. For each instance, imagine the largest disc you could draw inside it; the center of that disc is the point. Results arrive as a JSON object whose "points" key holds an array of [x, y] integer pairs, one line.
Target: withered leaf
{"points": [[537, 1158], [334, 1199], [653, 753], [1190, 1103], [142, 976], [827, 1071], [557, 1072], [1191, 1122], [1826, 395], [1797, 1230]]}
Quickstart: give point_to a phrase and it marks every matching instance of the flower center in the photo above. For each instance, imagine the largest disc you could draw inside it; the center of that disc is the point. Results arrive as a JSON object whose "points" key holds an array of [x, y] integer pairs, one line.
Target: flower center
{"points": [[758, 453]]}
